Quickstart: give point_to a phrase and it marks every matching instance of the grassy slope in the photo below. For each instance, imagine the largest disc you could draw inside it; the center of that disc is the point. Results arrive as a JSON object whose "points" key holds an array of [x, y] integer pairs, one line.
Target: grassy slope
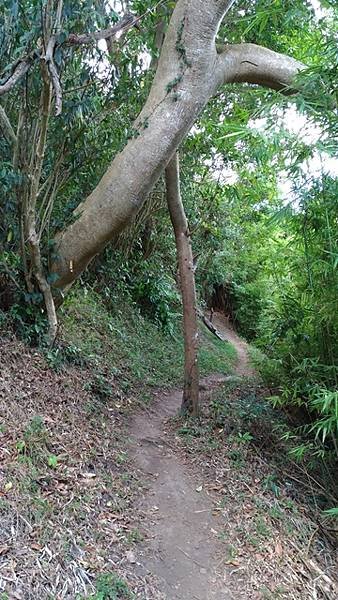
{"points": [[133, 349]]}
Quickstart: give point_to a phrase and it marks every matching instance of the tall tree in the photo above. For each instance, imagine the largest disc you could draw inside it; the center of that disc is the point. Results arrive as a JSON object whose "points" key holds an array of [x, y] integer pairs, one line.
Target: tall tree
{"points": [[190, 71]]}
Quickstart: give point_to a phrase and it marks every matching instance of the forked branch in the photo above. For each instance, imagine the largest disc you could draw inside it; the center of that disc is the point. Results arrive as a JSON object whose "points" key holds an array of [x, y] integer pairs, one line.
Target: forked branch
{"points": [[49, 58]]}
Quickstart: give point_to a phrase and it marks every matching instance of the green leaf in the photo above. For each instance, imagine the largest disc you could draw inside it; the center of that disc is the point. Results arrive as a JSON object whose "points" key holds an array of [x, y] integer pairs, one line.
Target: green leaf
{"points": [[52, 461]]}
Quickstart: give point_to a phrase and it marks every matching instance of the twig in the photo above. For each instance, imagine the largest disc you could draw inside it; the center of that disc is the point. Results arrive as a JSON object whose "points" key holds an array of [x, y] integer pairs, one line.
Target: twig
{"points": [[328, 494], [10, 274], [249, 488], [313, 567], [190, 557], [311, 540], [197, 512], [48, 210]]}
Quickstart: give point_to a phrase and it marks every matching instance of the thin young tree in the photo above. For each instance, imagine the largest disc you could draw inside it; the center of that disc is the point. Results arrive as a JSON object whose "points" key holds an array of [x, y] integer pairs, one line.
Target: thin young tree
{"points": [[190, 401]]}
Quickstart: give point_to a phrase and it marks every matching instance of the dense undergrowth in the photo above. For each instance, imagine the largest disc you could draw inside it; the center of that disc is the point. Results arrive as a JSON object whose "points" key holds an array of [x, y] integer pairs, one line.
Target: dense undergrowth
{"points": [[284, 543], [118, 342], [131, 347]]}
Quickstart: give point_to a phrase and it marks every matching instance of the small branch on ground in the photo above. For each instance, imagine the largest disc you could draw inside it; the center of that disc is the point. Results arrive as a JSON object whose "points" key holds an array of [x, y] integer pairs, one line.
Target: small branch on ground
{"points": [[209, 325]]}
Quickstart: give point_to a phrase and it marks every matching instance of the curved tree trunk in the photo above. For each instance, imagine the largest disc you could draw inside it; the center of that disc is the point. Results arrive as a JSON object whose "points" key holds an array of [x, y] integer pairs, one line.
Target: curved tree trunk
{"points": [[190, 401], [189, 72]]}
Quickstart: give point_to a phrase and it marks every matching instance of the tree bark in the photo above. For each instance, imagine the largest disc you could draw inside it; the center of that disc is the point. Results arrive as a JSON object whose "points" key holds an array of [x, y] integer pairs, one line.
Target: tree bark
{"points": [[30, 211], [28, 207], [189, 72], [249, 63], [190, 401]]}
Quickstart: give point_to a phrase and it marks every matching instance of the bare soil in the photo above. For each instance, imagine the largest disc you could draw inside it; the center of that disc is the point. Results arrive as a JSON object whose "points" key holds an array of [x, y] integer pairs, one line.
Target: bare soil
{"points": [[243, 367], [182, 548]]}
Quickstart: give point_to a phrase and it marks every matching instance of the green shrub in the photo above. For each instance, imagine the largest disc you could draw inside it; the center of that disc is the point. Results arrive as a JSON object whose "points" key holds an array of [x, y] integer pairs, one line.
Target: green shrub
{"points": [[111, 587]]}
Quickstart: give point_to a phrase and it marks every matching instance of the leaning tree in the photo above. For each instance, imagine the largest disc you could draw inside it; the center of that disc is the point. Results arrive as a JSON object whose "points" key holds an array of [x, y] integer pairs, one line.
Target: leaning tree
{"points": [[191, 69]]}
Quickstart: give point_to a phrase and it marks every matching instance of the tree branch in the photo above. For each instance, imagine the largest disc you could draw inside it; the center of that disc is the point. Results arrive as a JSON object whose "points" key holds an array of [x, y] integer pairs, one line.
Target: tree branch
{"points": [[114, 33], [30, 215], [20, 69], [249, 63], [49, 58], [186, 77], [7, 127], [23, 65]]}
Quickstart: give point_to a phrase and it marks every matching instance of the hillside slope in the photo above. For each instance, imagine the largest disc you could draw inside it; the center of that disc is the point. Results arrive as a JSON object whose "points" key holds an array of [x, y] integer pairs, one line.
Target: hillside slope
{"points": [[67, 483]]}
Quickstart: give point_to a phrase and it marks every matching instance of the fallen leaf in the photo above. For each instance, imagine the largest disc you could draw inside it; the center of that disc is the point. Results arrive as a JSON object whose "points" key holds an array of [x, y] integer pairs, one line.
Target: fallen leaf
{"points": [[36, 547], [278, 549], [131, 557], [3, 549]]}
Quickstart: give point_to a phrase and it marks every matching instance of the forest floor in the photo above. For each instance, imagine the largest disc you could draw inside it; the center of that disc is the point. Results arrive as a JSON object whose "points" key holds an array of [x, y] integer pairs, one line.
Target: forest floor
{"points": [[101, 499]]}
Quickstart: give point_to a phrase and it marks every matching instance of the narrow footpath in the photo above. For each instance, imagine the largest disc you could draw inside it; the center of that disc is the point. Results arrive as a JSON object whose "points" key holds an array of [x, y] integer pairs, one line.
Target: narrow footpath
{"points": [[182, 549]]}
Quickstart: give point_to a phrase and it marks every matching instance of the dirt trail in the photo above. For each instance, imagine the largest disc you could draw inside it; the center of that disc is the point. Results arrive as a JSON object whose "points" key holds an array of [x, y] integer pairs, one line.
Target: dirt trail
{"points": [[243, 366], [182, 550]]}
